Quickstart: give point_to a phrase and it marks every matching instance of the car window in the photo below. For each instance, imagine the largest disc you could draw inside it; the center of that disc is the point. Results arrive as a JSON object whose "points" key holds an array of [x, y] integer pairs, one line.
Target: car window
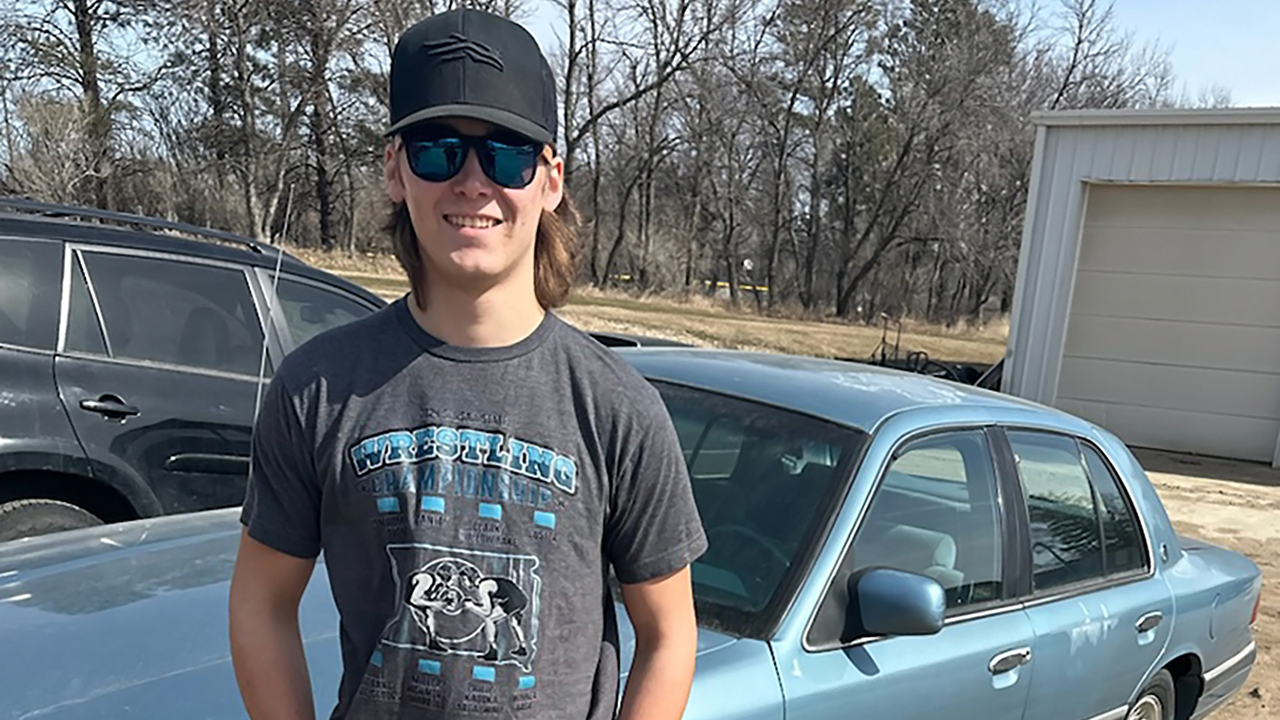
{"points": [[310, 310], [936, 513], [1123, 546], [1066, 542], [30, 292], [763, 479], [177, 313], [84, 333]]}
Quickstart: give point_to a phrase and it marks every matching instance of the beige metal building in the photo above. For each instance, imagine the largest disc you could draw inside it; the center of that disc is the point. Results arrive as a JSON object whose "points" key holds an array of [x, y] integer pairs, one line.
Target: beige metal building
{"points": [[1148, 290]]}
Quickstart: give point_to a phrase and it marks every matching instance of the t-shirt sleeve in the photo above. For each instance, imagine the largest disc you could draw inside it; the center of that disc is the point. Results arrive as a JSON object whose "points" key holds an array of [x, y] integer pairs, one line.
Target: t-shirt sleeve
{"points": [[282, 500], [653, 527]]}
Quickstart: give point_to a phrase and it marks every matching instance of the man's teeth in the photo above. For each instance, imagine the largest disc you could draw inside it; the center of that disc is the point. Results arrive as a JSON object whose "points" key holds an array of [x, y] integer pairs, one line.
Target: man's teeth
{"points": [[470, 221]]}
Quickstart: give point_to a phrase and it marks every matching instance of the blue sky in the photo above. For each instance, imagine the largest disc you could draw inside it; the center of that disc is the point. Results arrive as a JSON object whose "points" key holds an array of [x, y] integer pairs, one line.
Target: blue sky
{"points": [[1231, 43]]}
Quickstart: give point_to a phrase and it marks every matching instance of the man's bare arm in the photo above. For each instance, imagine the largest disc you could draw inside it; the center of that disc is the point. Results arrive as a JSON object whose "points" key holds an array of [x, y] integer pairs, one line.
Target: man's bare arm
{"points": [[666, 628], [266, 644]]}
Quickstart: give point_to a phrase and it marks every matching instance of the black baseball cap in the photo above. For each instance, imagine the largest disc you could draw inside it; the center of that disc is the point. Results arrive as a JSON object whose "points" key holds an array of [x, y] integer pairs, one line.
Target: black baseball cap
{"points": [[474, 64]]}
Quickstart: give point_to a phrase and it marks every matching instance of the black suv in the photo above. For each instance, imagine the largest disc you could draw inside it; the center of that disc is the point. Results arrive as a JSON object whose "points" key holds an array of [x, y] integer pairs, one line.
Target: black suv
{"points": [[130, 355]]}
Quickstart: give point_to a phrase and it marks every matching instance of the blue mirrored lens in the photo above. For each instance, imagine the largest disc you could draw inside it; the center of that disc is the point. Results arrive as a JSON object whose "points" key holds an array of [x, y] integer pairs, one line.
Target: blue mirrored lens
{"points": [[511, 166], [436, 160]]}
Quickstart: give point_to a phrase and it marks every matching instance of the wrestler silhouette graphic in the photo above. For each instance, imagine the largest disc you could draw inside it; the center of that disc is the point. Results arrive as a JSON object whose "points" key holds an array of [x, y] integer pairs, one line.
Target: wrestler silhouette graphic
{"points": [[496, 599]]}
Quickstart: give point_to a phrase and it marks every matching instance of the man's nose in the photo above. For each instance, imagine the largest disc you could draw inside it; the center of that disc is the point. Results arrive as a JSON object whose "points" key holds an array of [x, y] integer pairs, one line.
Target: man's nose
{"points": [[471, 182]]}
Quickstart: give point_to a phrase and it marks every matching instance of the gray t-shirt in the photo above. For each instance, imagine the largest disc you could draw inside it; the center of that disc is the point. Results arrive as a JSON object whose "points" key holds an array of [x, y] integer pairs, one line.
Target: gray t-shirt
{"points": [[469, 503]]}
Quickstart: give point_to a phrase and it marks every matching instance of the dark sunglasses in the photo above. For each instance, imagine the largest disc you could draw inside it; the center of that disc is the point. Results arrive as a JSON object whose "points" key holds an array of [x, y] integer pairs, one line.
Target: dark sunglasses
{"points": [[436, 154]]}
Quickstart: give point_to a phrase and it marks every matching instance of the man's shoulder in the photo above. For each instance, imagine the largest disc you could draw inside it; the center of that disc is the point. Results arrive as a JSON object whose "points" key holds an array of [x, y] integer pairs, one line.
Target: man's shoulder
{"points": [[615, 385], [600, 364]]}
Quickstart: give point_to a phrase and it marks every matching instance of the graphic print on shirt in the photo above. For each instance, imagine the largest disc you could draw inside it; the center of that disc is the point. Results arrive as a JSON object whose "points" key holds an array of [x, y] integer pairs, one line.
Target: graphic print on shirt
{"points": [[519, 467], [466, 602]]}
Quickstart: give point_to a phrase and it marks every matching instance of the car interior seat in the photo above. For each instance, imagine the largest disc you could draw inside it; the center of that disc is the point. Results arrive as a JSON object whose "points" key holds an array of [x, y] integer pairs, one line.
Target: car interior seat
{"points": [[914, 549]]}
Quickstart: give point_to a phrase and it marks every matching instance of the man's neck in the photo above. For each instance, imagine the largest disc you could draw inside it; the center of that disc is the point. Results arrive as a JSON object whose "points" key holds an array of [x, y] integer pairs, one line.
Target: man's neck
{"points": [[495, 318]]}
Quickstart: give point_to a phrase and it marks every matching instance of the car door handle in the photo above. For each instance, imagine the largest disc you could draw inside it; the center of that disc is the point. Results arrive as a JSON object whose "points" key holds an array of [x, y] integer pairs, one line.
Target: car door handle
{"points": [[1006, 661], [1148, 622], [110, 406], [208, 463]]}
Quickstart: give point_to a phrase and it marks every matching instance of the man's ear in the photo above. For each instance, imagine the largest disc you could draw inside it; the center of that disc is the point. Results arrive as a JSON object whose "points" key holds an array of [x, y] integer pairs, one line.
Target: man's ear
{"points": [[553, 192], [391, 176]]}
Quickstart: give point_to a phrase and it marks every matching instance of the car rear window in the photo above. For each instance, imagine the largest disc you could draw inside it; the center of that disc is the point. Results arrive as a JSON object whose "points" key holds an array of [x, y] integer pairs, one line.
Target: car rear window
{"points": [[30, 292]]}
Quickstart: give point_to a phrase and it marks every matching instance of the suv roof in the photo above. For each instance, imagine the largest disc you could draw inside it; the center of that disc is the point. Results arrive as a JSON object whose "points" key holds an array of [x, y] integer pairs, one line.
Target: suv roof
{"points": [[20, 217]]}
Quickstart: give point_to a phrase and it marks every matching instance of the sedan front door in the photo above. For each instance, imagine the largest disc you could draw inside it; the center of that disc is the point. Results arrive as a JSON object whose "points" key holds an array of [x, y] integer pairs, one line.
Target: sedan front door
{"points": [[936, 512]]}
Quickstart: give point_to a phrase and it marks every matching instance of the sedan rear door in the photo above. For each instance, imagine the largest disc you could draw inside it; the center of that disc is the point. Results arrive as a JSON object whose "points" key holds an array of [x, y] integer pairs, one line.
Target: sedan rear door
{"points": [[1101, 616]]}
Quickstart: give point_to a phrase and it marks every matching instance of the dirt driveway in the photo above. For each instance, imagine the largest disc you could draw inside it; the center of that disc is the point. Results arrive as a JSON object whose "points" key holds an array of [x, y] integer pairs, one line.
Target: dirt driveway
{"points": [[1236, 505]]}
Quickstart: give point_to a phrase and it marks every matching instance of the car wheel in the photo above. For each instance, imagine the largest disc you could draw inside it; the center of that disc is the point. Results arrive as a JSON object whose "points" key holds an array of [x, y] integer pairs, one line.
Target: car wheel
{"points": [[25, 518], [1155, 702]]}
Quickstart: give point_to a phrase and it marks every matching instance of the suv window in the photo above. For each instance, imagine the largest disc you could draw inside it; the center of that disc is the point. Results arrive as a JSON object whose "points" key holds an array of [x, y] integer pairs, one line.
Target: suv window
{"points": [[84, 333], [1066, 536], [30, 292], [177, 313], [935, 513], [311, 310], [763, 479]]}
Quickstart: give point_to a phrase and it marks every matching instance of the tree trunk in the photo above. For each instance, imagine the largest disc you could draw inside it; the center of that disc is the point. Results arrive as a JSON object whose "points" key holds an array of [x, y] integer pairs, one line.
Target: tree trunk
{"points": [[572, 53], [621, 234], [217, 97], [730, 256], [695, 226], [319, 123], [248, 161], [97, 120], [597, 168]]}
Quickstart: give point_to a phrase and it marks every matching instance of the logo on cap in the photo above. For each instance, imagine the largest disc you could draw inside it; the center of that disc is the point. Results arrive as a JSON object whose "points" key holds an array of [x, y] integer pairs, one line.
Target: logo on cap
{"points": [[458, 46]]}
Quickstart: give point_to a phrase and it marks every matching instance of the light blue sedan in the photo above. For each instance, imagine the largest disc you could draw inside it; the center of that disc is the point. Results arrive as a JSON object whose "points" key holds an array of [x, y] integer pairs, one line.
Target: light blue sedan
{"points": [[883, 545]]}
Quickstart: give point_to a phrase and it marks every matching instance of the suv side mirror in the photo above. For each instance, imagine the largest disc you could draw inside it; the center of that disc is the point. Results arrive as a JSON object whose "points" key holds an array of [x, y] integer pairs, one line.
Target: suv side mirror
{"points": [[884, 601]]}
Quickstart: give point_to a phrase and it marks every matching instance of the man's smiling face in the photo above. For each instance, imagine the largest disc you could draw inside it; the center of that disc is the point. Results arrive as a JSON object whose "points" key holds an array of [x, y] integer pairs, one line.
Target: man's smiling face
{"points": [[473, 233]]}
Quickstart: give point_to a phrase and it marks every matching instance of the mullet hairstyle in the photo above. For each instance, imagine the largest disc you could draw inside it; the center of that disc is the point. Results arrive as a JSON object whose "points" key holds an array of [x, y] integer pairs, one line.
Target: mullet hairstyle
{"points": [[555, 253]]}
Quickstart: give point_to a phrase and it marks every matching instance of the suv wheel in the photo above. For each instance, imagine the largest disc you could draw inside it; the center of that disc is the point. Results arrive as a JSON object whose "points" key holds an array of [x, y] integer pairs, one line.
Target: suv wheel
{"points": [[25, 518]]}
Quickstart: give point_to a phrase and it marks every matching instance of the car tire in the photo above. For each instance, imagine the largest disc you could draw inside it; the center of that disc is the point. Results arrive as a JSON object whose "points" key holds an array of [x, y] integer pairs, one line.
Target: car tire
{"points": [[1155, 702], [26, 518]]}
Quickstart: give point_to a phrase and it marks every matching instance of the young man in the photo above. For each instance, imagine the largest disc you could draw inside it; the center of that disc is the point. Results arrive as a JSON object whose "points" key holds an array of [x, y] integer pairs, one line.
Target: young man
{"points": [[470, 465]]}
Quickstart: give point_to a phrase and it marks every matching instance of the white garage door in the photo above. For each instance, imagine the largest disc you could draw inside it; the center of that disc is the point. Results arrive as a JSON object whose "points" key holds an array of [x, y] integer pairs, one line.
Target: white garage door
{"points": [[1173, 341]]}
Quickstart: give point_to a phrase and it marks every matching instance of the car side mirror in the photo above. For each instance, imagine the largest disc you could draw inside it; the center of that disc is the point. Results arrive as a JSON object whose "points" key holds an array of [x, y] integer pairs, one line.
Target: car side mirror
{"points": [[883, 601]]}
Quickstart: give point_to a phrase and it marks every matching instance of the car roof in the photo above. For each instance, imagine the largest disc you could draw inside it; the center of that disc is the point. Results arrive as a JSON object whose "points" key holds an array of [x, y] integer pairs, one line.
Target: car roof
{"points": [[850, 393], [49, 222]]}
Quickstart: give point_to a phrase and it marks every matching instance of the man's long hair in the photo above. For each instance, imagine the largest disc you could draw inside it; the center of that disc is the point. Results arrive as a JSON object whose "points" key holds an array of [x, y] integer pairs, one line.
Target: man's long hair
{"points": [[555, 253]]}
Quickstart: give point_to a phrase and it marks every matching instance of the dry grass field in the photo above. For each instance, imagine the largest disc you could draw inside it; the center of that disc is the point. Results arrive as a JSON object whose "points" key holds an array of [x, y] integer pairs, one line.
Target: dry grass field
{"points": [[706, 322]]}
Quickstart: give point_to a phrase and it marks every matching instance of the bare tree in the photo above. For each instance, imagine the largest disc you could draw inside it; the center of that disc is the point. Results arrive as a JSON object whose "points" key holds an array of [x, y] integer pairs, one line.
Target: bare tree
{"points": [[850, 156]]}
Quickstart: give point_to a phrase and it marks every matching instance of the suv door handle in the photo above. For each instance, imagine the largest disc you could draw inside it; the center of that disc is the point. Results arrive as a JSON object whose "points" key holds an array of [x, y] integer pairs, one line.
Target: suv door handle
{"points": [[110, 406], [1006, 661], [1148, 622]]}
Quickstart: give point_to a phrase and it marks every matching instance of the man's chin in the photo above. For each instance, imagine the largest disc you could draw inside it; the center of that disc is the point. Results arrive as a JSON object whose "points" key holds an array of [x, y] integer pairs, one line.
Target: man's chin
{"points": [[474, 275]]}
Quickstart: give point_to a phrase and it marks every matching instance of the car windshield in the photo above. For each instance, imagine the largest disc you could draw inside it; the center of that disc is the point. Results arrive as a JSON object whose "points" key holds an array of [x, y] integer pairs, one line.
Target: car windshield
{"points": [[765, 480]]}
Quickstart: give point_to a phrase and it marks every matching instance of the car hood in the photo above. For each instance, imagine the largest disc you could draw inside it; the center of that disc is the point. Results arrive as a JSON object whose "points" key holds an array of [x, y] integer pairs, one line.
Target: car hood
{"points": [[130, 620]]}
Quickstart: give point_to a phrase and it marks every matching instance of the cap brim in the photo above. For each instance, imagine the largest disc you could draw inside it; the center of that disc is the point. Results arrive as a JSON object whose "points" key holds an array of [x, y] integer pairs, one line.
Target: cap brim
{"points": [[502, 118]]}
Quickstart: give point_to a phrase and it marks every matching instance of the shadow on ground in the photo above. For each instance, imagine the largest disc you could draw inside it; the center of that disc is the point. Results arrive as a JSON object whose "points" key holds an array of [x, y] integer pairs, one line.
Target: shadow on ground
{"points": [[1208, 468]]}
